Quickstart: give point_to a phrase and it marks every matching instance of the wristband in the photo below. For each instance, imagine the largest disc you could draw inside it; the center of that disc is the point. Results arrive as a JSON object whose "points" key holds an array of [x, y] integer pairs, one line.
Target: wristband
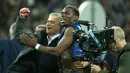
{"points": [[37, 46]]}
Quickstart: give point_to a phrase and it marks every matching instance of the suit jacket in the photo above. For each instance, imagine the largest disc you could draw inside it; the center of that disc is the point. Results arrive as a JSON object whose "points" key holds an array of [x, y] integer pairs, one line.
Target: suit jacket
{"points": [[47, 63], [32, 61]]}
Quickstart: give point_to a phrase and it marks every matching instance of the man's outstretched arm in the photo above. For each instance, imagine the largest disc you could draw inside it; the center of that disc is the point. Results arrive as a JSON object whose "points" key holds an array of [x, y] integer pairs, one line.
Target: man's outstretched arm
{"points": [[23, 13], [63, 44]]}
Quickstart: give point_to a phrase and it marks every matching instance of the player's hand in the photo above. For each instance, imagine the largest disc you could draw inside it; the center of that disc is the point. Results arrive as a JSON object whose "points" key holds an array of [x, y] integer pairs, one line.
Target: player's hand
{"points": [[95, 68]]}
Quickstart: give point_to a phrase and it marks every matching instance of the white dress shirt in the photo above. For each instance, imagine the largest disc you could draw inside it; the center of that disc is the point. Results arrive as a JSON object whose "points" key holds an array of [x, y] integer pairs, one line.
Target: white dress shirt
{"points": [[50, 39]]}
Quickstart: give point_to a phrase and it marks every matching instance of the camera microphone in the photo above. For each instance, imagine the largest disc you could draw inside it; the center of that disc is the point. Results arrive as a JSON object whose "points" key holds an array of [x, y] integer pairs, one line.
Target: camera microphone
{"points": [[86, 23]]}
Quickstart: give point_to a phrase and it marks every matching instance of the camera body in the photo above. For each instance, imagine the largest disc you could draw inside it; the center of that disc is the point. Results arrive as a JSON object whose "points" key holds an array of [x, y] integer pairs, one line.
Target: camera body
{"points": [[104, 37], [93, 43]]}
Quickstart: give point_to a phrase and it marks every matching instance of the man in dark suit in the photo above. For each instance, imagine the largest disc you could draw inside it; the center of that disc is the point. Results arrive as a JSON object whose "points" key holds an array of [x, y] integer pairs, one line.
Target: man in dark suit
{"points": [[121, 47], [49, 63], [32, 61]]}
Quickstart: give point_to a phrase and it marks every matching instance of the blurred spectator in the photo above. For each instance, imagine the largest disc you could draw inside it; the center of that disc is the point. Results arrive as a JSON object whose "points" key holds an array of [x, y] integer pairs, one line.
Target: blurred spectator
{"points": [[116, 10], [40, 10], [9, 48], [126, 27]]}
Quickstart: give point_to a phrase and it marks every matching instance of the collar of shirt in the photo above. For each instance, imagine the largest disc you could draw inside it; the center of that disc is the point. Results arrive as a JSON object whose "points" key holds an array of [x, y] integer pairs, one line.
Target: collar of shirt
{"points": [[50, 39]]}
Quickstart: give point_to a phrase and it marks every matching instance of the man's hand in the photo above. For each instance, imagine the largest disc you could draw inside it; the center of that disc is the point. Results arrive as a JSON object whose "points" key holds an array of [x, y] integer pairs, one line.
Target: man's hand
{"points": [[80, 64], [24, 12], [40, 27], [95, 68], [28, 40]]}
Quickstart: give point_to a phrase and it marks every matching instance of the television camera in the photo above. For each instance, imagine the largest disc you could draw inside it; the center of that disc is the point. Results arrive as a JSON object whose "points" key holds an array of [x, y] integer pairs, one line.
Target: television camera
{"points": [[92, 43]]}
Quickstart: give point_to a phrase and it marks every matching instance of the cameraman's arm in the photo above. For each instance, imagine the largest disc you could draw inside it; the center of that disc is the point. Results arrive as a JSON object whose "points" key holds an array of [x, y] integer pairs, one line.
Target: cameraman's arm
{"points": [[97, 69], [64, 43]]}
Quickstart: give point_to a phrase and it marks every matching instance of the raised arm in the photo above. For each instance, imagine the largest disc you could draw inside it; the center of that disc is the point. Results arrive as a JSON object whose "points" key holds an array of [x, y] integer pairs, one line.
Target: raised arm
{"points": [[23, 13]]}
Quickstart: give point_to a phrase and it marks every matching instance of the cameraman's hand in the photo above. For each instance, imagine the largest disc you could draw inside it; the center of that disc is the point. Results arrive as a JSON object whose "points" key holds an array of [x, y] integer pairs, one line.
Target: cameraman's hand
{"points": [[95, 68], [28, 40], [80, 64], [24, 12]]}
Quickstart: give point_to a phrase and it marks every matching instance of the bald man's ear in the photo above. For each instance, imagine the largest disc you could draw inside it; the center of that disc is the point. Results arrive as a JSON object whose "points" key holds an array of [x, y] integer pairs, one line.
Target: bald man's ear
{"points": [[76, 18]]}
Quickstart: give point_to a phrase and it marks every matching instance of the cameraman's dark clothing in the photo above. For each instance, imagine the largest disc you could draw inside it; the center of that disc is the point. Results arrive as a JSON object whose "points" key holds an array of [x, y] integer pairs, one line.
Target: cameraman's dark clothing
{"points": [[110, 61], [33, 61], [123, 60]]}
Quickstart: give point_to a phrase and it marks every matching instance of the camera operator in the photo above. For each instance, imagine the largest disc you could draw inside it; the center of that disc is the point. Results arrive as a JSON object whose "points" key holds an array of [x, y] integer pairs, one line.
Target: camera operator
{"points": [[121, 47], [118, 46]]}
